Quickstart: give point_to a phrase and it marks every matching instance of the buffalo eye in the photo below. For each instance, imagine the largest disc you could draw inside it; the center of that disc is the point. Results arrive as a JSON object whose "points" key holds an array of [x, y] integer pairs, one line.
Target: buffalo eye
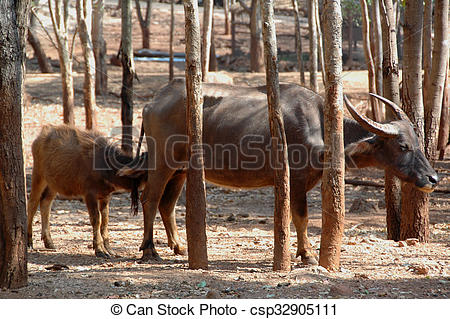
{"points": [[404, 147]]}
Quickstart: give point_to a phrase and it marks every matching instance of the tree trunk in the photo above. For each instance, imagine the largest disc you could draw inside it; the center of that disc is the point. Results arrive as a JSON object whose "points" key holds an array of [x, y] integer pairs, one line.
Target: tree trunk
{"points": [[256, 44], [320, 46], [172, 34], [350, 41], [84, 19], [378, 40], [206, 44], [312, 45], [376, 112], [128, 72], [195, 184], [435, 88], [99, 44], [390, 90], [13, 217], [427, 42], [444, 125], [144, 23], [281, 255], [60, 21], [298, 43], [213, 65], [414, 221], [33, 40], [233, 34], [226, 12], [333, 200]]}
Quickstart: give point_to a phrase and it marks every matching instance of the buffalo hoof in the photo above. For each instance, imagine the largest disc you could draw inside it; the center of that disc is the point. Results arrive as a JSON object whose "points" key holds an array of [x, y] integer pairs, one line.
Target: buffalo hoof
{"points": [[102, 254], [309, 260], [150, 256], [179, 250], [49, 245]]}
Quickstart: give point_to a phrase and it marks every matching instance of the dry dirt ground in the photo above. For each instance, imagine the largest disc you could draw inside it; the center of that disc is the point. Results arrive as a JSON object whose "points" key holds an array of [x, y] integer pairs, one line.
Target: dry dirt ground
{"points": [[240, 238]]}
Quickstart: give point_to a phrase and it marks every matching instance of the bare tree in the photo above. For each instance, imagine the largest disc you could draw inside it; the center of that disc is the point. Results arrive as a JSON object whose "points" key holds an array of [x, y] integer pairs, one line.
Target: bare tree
{"points": [[84, 19], [213, 65], [435, 88], [195, 184], [333, 200], [256, 44], [128, 72], [59, 13], [414, 221], [145, 22], [378, 47], [226, 11], [99, 44], [207, 26], [427, 42], [444, 125], [298, 42], [320, 45], [312, 45], [281, 256], [390, 90], [13, 241], [376, 112], [172, 34], [33, 40]]}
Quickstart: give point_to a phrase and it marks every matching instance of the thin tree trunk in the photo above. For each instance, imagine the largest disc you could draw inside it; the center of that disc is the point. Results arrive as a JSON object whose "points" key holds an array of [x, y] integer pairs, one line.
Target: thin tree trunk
{"points": [[33, 40], [281, 255], [435, 88], [128, 72], [213, 65], [312, 45], [226, 12], [415, 220], [84, 18], [233, 34], [298, 42], [172, 35], [145, 23], [99, 44], [195, 184], [376, 112], [390, 90], [378, 52], [320, 46], [206, 44], [444, 125], [60, 21], [427, 43], [333, 200], [350, 42], [13, 238], [256, 44]]}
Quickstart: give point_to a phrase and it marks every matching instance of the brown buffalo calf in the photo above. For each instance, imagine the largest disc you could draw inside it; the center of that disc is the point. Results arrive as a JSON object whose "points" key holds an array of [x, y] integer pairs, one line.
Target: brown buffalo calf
{"points": [[76, 163]]}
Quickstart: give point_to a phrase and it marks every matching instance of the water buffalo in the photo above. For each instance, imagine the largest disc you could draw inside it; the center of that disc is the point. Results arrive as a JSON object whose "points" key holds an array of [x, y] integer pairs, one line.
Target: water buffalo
{"points": [[236, 141], [76, 163]]}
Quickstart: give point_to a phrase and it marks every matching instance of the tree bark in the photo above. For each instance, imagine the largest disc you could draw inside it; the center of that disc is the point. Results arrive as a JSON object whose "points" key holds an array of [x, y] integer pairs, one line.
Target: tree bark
{"points": [[33, 40], [13, 238], [350, 42], [226, 12], [213, 65], [312, 45], [444, 125], [233, 34], [320, 46], [281, 255], [415, 220], [298, 42], [376, 112], [435, 88], [60, 21], [206, 44], [172, 35], [390, 90], [378, 40], [84, 19], [427, 43], [195, 184], [99, 44], [333, 200], [144, 23], [256, 44], [128, 72]]}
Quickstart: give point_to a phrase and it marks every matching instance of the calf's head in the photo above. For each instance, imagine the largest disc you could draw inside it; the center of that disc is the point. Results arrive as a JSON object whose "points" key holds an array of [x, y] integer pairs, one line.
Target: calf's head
{"points": [[394, 146]]}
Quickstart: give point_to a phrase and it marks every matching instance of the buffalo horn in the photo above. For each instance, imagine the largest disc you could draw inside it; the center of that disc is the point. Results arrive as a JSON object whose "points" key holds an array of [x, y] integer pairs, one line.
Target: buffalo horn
{"points": [[401, 115], [383, 130]]}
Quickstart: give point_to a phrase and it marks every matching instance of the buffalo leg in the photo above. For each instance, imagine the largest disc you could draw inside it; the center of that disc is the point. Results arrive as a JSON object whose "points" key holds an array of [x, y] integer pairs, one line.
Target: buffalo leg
{"points": [[96, 220], [299, 212], [153, 191], [104, 211], [167, 210], [38, 186], [46, 205]]}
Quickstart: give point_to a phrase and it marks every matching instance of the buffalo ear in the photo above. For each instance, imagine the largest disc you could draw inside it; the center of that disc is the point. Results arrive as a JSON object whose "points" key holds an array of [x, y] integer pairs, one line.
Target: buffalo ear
{"points": [[360, 148], [135, 169]]}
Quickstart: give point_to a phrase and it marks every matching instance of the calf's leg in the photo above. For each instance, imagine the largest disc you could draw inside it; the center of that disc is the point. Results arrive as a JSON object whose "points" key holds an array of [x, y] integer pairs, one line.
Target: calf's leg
{"points": [[46, 205], [38, 186], [167, 210], [96, 220], [104, 211]]}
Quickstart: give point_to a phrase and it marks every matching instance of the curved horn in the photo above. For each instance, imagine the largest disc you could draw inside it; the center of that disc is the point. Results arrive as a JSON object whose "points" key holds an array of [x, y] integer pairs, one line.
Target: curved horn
{"points": [[383, 130], [401, 115]]}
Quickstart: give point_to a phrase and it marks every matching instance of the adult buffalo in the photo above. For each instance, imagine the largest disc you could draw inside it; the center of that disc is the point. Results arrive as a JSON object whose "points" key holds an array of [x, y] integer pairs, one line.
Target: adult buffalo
{"points": [[236, 148]]}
